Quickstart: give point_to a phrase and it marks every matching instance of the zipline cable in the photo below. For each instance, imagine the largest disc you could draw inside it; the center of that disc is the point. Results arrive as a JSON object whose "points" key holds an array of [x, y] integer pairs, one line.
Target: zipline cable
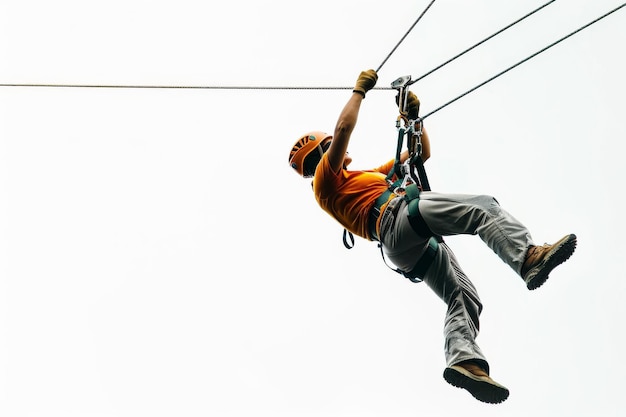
{"points": [[405, 35], [182, 87], [222, 87], [483, 41], [523, 60]]}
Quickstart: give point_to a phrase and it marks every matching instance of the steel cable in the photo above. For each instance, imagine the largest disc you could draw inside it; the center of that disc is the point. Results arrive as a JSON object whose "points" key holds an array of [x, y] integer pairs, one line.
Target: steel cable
{"points": [[405, 35], [483, 41], [523, 60], [216, 87]]}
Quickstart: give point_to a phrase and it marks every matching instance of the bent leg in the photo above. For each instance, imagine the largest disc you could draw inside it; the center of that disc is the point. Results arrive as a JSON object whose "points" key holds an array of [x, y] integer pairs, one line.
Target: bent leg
{"points": [[453, 214]]}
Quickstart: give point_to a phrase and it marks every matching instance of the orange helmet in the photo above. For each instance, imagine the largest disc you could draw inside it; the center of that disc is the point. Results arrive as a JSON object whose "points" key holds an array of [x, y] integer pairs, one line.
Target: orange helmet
{"points": [[308, 144]]}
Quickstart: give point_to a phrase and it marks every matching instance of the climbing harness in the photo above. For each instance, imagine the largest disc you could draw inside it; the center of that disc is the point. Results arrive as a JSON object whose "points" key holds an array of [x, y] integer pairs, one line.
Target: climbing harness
{"points": [[406, 180]]}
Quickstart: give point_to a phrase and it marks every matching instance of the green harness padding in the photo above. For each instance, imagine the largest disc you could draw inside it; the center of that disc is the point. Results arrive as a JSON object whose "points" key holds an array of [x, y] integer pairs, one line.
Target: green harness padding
{"points": [[412, 197], [418, 224], [412, 193]]}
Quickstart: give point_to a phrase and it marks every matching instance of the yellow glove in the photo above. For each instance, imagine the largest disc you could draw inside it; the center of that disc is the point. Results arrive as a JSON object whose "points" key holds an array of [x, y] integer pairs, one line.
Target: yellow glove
{"points": [[412, 106], [366, 81]]}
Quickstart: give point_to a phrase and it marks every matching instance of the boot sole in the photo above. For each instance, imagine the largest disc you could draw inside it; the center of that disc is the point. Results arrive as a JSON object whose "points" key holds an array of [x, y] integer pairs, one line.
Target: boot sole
{"points": [[482, 388], [559, 254]]}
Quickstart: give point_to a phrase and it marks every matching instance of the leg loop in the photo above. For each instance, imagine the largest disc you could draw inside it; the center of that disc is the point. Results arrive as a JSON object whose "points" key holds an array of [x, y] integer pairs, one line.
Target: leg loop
{"points": [[416, 220]]}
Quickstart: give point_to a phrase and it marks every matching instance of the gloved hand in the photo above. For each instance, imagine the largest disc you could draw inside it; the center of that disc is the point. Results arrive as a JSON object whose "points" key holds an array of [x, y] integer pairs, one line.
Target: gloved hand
{"points": [[365, 82], [412, 105]]}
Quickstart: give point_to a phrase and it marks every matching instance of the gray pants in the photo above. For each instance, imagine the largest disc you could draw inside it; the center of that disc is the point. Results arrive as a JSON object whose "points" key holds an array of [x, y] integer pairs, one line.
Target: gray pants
{"points": [[446, 215]]}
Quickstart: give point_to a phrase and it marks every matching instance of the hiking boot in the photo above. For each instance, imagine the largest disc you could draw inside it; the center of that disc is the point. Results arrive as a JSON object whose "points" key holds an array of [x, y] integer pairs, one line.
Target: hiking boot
{"points": [[476, 381], [540, 260]]}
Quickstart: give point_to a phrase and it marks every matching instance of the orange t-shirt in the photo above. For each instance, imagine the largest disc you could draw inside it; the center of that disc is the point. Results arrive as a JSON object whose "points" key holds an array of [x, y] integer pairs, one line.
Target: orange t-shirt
{"points": [[348, 196]]}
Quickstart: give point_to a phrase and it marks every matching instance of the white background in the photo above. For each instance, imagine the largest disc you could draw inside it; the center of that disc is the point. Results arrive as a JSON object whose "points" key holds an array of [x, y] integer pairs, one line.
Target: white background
{"points": [[160, 258]]}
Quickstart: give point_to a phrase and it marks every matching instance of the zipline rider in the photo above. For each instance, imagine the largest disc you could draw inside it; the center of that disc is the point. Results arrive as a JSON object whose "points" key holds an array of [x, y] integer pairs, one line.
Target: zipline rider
{"points": [[353, 198]]}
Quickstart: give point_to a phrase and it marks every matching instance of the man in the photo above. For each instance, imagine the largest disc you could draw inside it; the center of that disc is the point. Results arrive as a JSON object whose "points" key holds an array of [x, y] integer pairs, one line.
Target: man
{"points": [[408, 224]]}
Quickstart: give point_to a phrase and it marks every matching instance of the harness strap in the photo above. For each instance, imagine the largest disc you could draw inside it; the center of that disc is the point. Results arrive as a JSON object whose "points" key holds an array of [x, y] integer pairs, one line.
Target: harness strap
{"points": [[416, 220], [382, 199], [416, 275], [418, 272], [348, 239]]}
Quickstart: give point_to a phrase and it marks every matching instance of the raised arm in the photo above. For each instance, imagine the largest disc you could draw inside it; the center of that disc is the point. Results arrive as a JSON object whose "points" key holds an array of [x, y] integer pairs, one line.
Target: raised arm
{"points": [[348, 118]]}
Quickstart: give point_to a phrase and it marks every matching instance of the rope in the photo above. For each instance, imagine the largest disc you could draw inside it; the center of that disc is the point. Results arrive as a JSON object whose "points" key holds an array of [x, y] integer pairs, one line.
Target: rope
{"points": [[483, 41], [405, 35], [524, 60]]}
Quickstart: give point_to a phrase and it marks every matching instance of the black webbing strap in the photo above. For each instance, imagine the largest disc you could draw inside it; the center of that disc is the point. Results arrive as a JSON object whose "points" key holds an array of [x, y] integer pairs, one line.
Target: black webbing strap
{"points": [[421, 173], [425, 261], [347, 235], [419, 271], [397, 170]]}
